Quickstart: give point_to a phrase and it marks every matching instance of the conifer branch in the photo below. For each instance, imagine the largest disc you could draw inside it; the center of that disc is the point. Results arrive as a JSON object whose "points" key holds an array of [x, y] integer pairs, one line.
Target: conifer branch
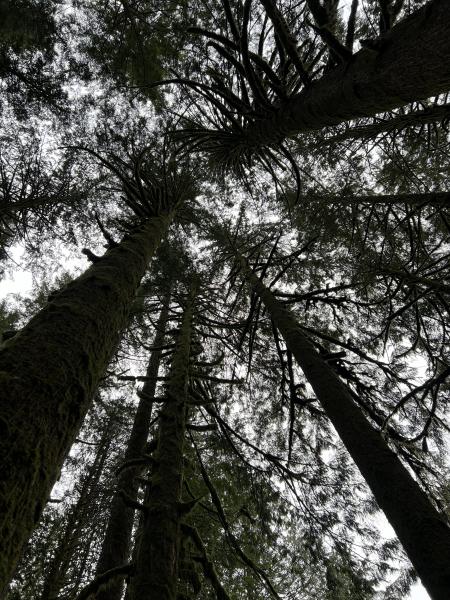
{"points": [[208, 567], [230, 536], [104, 579]]}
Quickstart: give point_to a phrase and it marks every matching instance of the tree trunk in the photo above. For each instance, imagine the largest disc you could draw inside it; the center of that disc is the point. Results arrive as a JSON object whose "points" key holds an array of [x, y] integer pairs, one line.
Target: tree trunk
{"points": [[157, 562], [116, 544], [48, 374], [10, 208], [434, 114], [130, 589], [433, 198], [78, 518], [423, 533], [411, 62]]}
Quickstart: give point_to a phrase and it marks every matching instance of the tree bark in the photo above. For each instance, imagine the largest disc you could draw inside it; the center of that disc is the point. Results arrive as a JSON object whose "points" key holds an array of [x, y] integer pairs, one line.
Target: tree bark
{"points": [[116, 544], [422, 531], [130, 589], [157, 562], [411, 62], [48, 374], [434, 114]]}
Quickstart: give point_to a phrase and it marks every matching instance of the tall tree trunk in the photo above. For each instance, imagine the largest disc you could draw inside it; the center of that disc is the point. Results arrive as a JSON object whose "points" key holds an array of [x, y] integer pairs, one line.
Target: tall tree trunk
{"points": [[423, 533], [411, 62], [130, 589], [116, 544], [11, 208], [48, 374], [434, 198], [433, 114], [157, 562], [78, 517]]}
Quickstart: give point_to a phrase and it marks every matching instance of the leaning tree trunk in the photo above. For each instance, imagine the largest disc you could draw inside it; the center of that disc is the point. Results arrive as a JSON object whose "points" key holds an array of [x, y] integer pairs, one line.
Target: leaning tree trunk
{"points": [[423, 533], [413, 200], [157, 561], [434, 114], [77, 519], [48, 374], [116, 544], [411, 62]]}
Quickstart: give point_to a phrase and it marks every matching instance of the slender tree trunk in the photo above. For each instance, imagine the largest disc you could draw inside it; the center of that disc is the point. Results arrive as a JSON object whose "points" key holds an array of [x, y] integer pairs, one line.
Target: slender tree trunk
{"points": [[423, 533], [434, 198], [434, 114], [130, 589], [78, 518], [157, 562], [411, 62], [48, 374], [10, 208], [116, 544]]}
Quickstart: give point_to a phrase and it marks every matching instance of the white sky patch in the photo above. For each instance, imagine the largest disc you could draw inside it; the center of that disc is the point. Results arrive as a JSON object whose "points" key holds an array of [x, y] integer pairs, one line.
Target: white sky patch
{"points": [[418, 593], [18, 280]]}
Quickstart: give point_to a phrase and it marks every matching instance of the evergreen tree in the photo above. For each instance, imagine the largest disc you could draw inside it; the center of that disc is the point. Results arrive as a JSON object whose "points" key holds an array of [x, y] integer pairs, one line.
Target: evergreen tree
{"points": [[290, 334]]}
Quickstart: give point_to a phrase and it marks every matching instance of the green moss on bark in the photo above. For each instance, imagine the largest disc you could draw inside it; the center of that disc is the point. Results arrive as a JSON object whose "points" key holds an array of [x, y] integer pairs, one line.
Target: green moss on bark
{"points": [[51, 370]]}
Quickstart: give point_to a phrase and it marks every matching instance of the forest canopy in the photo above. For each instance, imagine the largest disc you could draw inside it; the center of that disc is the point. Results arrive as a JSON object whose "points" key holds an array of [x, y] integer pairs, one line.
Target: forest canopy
{"points": [[229, 377]]}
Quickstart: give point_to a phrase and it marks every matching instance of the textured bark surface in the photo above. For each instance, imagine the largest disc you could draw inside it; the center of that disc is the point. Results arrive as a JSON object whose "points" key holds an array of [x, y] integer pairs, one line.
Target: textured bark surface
{"points": [[412, 62], [423, 533], [157, 562], [48, 374], [117, 541], [434, 114]]}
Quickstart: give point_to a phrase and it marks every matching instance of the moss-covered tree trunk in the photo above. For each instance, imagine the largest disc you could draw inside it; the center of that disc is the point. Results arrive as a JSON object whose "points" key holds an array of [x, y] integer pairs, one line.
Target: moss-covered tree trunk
{"points": [[157, 561], [411, 62], [78, 518], [116, 544], [48, 374], [423, 533]]}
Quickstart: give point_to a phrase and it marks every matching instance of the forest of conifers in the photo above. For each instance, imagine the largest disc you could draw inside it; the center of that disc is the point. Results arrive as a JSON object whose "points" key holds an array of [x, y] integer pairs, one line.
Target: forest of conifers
{"points": [[232, 368]]}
